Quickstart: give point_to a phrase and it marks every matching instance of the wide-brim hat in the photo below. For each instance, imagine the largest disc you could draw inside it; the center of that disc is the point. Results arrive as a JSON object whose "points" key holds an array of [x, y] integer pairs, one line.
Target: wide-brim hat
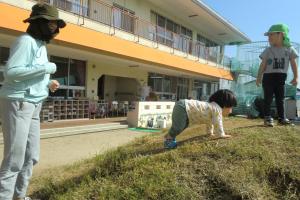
{"points": [[45, 11]]}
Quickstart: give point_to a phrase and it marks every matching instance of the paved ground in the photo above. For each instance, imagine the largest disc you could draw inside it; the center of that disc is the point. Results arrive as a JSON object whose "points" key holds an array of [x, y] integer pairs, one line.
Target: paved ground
{"points": [[81, 122], [66, 150]]}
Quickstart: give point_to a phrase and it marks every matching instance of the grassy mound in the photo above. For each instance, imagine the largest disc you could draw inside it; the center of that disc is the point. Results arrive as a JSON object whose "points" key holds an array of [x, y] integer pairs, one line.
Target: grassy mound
{"points": [[257, 163]]}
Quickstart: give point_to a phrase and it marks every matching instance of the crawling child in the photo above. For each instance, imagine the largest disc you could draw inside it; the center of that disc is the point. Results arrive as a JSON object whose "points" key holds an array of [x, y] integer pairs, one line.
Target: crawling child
{"points": [[188, 112]]}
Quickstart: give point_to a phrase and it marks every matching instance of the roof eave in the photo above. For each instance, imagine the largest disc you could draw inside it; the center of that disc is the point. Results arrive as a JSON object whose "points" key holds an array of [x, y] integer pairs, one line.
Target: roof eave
{"points": [[222, 20]]}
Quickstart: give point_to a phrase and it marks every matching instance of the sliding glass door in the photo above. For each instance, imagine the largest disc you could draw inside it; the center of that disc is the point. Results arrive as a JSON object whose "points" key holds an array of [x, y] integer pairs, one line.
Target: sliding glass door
{"points": [[71, 74]]}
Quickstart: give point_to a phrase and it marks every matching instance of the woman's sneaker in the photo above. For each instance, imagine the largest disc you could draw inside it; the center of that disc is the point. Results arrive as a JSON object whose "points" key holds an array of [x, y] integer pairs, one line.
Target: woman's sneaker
{"points": [[285, 122], [170, 144], [269, 122]]}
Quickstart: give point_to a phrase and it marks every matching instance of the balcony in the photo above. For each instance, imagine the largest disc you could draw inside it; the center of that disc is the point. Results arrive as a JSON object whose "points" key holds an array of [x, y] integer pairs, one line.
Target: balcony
{"points": [[117, 18]]}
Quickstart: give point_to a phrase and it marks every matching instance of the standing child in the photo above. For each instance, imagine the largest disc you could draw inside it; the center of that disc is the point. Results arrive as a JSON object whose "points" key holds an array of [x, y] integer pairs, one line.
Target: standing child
{"points": [[25, 86], [273, 71], [188, 112]]}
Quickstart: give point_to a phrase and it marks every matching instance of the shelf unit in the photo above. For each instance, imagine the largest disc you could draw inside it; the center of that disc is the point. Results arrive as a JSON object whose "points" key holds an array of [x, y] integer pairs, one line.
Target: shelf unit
{"points": [[65, 109], [47, 112]]}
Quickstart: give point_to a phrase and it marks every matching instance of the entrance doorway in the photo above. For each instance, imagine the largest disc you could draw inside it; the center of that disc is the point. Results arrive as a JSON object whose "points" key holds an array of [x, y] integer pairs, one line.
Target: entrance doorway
{"points": [[115, 88], [101, 81]]}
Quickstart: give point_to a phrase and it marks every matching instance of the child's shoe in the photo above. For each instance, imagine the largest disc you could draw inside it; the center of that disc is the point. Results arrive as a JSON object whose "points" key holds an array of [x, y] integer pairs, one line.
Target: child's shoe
{"points": [[170, 143], [285, 122], [269, 122]]}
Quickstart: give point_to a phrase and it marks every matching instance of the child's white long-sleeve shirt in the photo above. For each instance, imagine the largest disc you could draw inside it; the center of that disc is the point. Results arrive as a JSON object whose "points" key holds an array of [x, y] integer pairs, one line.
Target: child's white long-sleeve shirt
{"points": [[200, 112]]}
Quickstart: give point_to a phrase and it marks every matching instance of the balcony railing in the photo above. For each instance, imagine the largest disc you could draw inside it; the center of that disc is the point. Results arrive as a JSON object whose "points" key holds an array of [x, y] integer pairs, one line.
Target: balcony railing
{"points": [[114, 17]]}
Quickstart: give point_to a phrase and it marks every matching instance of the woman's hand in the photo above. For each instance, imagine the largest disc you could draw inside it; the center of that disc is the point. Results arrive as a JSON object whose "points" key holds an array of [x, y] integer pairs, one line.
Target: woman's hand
{"points": [[54, 85]]}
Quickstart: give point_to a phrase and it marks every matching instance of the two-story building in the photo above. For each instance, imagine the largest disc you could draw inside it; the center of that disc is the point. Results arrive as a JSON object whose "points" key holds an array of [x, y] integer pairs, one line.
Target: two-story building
{"points": [[112, 48]]}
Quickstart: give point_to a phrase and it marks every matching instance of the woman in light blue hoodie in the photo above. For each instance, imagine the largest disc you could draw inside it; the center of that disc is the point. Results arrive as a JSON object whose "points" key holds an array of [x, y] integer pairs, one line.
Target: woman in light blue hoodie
{"points": [[26, 85]]}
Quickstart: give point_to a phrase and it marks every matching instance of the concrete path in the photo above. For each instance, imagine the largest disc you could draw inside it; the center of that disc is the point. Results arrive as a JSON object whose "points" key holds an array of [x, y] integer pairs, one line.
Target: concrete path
{"points": [[60, 151]]}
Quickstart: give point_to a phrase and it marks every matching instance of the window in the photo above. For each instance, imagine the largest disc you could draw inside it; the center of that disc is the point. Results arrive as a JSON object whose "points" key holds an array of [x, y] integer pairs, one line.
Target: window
{"points": [[123, 18], [77, 73], [155, 82], [182, 88], [198, 89], [213, 49], [185, 40], [167, 84], [165, 33], [4, 54], [162, 85], [75, 6], [212, 88], [169, 33], [209, 90], [161, 31], [71, 74], [206, 41]]}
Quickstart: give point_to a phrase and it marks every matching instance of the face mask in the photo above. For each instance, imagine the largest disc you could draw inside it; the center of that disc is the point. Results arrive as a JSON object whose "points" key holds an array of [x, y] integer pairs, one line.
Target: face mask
{"points": [[47, 34], [39, 29]]}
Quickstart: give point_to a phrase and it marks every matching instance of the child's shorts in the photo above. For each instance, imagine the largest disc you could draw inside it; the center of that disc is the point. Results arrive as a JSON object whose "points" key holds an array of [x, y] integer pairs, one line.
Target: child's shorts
{"points": [[180, 120]]}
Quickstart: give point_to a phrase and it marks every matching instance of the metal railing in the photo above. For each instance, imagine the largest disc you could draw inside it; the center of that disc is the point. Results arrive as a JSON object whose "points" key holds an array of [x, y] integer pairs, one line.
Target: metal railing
{"points": [[227, 62], [119, 19], [76, 8]]}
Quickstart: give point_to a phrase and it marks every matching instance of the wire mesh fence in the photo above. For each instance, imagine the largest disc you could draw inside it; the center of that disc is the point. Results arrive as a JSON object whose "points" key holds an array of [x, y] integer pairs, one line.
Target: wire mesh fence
{"points": [[245, 68]]}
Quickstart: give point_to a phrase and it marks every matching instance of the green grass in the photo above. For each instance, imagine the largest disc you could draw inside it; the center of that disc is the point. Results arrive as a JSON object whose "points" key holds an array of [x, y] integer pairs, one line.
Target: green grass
{"points": [[257, 163]]}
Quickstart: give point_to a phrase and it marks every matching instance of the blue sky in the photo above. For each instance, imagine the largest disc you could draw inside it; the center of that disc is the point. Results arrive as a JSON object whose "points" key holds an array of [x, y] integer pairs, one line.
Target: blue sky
{"points": [[254, 17]]}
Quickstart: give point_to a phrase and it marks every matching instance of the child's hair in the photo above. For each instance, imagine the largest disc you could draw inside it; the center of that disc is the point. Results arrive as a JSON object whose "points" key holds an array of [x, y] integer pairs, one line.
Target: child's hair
{"points": [[224, 98]]}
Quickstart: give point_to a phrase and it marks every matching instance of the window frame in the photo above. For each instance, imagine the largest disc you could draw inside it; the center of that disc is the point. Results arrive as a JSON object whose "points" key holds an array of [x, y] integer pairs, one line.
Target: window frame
{"points": [[165, 94], [83, 8], [2, 65], [125, 15], [2, 71], [69, 87], [172, 40]]}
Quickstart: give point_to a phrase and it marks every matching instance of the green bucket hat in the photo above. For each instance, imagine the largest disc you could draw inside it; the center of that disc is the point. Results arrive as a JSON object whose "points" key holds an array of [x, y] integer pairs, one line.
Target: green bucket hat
{"points": [[45, 11], [281, 28]]}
